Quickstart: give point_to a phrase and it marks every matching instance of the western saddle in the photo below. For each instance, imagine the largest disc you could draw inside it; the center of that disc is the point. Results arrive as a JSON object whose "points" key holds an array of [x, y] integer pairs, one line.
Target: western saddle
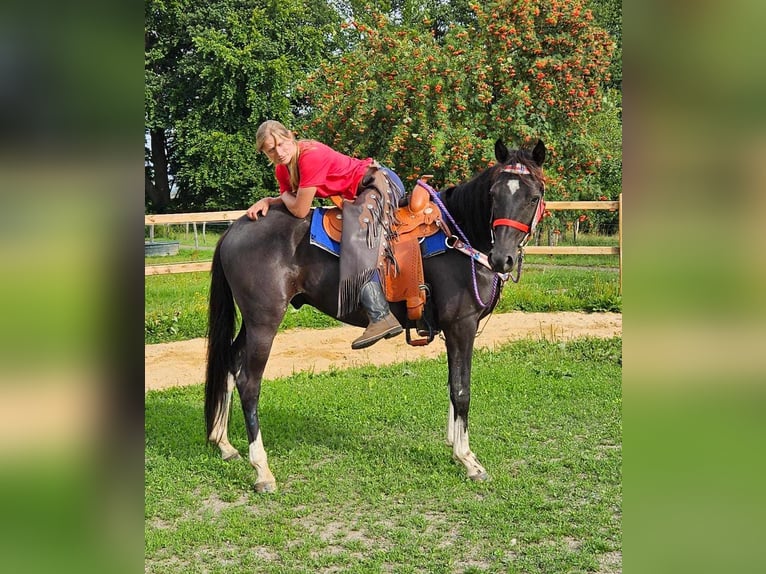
{"points": [[403, 279]]}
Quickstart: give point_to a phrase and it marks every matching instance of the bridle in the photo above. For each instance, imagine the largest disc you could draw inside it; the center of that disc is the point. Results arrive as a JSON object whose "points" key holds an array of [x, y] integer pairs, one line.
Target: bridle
{"points": [[528, 229]]}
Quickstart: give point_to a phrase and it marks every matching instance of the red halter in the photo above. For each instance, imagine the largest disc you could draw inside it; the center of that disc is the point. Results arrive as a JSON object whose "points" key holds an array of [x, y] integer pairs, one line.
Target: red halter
{"points": [[520, 169]]}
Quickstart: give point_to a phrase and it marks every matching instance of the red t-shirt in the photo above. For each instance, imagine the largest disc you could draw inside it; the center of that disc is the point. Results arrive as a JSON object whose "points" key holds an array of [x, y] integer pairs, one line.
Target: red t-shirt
{"points": [[320, 166]]}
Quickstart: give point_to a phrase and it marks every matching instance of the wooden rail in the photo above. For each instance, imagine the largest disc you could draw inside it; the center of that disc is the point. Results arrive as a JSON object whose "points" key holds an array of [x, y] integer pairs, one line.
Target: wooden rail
{"points": [[204, 217], [584, 205], [214, 216], [220, 216], [177, 268]]}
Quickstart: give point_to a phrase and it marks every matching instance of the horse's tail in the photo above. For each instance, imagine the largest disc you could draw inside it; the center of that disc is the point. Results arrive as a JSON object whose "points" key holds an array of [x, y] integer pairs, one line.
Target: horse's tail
{"points": [[220, 350]]}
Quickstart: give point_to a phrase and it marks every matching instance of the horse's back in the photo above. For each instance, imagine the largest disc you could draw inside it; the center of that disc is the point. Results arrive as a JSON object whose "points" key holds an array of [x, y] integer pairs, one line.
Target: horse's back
{"points": [[277, 232], [258, 256]]}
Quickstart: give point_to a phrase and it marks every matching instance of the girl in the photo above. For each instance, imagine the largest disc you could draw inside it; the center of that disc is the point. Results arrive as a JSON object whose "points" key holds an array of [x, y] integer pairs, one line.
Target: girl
{"points": [[306, 169]]}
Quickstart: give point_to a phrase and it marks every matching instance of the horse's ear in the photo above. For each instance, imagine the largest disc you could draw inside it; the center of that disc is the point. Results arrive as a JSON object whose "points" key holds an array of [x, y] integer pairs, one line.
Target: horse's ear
{"points": [[501, 152], [538, 154]]}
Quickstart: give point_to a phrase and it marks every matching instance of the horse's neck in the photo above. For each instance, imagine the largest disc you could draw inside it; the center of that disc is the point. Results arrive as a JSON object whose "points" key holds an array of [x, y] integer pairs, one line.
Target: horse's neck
{"points": [[470, 208]]}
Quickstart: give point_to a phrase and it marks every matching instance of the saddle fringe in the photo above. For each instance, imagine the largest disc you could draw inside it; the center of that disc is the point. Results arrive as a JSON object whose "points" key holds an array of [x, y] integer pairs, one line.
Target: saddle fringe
{"points": [[350, 290]]}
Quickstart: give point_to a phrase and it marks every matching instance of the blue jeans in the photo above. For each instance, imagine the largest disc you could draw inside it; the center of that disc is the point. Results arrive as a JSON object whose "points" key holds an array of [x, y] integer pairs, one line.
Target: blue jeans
{"points": [[398, 185]]}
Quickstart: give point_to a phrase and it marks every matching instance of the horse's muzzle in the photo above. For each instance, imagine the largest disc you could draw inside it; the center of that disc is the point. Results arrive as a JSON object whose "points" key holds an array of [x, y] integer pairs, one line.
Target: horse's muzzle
{"points": [[501, 262]]}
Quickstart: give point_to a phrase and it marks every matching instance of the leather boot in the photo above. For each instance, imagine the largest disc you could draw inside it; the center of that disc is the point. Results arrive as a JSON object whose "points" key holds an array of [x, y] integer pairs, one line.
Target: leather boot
{"points": [[382, 322]]}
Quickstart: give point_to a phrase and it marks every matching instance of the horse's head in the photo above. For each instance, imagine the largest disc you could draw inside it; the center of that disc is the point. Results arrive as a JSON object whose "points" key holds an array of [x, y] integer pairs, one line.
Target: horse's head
{"points": [[517, 202]]}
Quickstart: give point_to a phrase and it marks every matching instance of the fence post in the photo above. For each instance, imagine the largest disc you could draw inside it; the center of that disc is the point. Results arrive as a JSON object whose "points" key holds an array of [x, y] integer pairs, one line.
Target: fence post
{"points": [[619, 230], [196, 243]]}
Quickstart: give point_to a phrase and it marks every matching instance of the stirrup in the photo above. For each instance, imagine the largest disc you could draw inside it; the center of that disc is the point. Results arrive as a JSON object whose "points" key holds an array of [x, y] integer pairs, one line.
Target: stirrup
{"points": [[429, 336]]}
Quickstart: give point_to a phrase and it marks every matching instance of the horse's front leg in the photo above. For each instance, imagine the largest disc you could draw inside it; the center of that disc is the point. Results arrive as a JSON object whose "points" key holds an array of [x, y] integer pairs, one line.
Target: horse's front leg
{"points": [[259, 340], [459, 356]]}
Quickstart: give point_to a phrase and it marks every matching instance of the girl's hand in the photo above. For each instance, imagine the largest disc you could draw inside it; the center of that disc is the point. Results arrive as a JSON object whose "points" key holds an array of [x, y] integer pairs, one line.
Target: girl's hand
{"points": [[260, 207]]}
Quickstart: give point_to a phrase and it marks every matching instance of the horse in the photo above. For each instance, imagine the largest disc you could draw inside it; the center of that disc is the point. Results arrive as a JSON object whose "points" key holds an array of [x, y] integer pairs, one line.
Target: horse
{"points": [[262, 266]]}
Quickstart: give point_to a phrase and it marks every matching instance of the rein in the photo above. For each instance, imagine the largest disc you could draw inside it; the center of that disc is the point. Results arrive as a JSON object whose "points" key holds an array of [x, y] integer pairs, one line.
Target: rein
{"points": [[463, 246]]}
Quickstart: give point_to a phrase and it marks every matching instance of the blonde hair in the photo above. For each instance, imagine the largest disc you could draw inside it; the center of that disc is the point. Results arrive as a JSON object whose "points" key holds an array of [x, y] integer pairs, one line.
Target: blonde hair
{"points": [[274, 129]]}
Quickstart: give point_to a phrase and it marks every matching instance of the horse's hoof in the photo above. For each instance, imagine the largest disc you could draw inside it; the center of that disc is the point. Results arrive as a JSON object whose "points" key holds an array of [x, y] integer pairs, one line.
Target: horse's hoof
{"points": [[232, 456], [480, 477], [265, 487]]}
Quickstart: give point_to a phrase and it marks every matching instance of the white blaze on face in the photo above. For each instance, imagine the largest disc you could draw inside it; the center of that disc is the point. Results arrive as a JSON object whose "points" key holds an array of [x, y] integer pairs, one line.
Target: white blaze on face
{"points": [[513, 185]]}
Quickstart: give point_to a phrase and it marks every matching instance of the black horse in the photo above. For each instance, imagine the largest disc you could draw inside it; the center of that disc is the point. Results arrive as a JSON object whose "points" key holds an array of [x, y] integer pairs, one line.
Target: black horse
{"points": [[266, 264]]}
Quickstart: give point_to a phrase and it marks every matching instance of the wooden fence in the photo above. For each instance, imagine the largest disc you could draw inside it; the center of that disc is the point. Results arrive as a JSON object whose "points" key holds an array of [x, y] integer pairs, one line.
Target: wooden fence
{"points": [[229, 216]]}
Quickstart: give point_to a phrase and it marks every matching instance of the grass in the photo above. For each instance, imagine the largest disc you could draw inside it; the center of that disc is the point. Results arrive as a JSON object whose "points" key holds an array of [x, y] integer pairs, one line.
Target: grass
{"points": [[367, 485], [185, 255], [547, 289], [176, 305]]}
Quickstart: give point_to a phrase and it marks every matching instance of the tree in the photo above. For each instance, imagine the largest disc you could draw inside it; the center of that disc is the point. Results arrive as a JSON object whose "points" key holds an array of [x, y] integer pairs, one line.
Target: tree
{"points": [[522, 70], [608, 14], [433, 16], [215, 69]]}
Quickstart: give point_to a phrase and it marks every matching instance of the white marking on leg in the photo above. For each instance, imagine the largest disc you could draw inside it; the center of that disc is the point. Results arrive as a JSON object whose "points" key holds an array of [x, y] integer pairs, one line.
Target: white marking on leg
{"points": [[220, 433], [461, 451], [264, 480], [450, 424]]}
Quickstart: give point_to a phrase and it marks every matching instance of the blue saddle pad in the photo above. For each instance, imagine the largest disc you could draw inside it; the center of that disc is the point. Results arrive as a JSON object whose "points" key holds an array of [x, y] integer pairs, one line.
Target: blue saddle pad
{"points": [[319, 236], [429, 246]]}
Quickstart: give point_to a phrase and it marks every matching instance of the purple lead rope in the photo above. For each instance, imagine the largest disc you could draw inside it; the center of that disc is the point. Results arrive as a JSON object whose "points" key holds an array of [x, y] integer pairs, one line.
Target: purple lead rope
{"points": [[464, 239]]}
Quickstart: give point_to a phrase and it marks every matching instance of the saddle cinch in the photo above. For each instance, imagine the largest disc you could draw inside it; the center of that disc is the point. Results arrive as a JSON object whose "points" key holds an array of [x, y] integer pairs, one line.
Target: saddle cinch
{"points": [[404, 279]]}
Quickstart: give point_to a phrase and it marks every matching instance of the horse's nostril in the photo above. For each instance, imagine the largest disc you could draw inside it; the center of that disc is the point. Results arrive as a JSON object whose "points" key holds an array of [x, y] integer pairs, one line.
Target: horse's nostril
{"points": [[499, 263]]}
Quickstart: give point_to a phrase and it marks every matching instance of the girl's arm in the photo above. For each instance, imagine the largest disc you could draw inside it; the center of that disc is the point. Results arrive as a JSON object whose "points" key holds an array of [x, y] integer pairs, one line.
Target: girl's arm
{"points": [[299, 204]]}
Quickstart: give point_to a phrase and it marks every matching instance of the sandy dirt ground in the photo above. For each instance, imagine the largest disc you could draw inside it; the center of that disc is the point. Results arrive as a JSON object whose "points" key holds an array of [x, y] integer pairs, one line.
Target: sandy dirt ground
{"points": [[183, 363]]}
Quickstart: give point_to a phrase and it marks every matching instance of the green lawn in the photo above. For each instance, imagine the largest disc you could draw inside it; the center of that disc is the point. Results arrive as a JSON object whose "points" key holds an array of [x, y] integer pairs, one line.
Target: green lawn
{"points": [[366, 483]]}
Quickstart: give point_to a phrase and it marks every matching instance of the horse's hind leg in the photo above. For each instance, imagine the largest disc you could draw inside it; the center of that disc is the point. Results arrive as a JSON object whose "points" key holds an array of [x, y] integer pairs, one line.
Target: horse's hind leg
{"points": [[259, 340], [450, 423], [219, 436]]}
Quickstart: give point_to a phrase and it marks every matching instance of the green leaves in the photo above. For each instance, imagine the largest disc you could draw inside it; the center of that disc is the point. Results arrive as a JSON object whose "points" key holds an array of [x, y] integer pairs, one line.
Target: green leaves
{"points": [[426, 90], [215, 71], [426, 103]]}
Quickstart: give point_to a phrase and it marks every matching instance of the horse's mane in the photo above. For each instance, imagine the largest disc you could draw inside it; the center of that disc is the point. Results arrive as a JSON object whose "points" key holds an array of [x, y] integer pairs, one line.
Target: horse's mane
{"points": [[470, 205]]}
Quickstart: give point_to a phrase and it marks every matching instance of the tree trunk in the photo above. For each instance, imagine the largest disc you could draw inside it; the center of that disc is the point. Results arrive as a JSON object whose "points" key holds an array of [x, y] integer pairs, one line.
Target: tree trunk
{"points": [[159, 189]]}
